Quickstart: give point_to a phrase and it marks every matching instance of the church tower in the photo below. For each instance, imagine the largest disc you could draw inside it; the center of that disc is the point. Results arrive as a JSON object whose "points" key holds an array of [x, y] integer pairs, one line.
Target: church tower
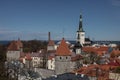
{"points": [[81, 33]]}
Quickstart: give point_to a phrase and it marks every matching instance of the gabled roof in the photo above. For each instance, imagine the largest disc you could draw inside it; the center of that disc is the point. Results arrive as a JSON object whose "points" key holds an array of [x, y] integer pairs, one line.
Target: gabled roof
{"points": [[28, 57], [13, 46], [116, 52], [63, 49], [98, 50], [51, 43]]}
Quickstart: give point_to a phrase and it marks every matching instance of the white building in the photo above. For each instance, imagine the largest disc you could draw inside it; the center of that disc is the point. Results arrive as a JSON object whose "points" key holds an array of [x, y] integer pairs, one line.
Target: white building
{"points": [[36, 59], [51, 62]]}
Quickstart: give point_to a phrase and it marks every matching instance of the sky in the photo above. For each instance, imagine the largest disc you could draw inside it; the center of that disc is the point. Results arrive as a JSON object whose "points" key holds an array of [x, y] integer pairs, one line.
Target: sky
{"points": [[33, 19]]}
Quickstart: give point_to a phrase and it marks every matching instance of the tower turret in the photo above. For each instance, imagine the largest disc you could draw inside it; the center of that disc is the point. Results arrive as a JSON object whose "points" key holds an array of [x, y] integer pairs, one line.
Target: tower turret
{"points": [[81, 32], [62, 58]]}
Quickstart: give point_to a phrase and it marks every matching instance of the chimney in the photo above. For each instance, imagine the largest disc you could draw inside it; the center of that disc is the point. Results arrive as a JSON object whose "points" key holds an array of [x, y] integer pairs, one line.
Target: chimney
{"points": [[49, 37]]}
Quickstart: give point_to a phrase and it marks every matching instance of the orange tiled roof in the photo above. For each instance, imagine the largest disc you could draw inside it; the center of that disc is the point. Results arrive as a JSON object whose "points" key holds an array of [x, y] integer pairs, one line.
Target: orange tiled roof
{"points": [[28, 57], [88, 49], [91, 71], [13, 46], [50, 57], [51, 43], [63, 49], [116, 52], [103, 48], [98, 50]]}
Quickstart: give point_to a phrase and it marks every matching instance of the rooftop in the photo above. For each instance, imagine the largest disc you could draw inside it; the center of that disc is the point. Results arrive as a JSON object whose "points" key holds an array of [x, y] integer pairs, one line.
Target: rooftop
{"points": [[63, 49]]}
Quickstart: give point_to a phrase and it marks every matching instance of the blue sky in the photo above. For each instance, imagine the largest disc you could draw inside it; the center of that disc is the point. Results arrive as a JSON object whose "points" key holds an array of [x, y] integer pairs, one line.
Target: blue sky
{"points": [[33, 19]]}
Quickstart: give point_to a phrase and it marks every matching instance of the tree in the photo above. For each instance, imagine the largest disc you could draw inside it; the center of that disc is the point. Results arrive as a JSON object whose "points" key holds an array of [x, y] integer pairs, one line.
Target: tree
{"points": [[117, 70], [2, 61], [34, 45]]}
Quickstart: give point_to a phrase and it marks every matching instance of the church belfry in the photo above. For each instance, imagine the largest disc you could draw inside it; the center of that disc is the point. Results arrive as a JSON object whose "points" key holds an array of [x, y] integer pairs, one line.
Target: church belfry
{"points": [[80, 32]]}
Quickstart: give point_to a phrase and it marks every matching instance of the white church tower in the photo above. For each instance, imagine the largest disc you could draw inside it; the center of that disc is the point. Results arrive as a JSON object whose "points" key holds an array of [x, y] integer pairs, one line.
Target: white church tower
{"points": [[81, 33]]}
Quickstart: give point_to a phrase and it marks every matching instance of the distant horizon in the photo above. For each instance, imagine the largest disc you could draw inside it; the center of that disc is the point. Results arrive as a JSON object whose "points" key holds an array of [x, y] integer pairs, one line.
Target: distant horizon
{"points": [[58, 40], [33, 19]]}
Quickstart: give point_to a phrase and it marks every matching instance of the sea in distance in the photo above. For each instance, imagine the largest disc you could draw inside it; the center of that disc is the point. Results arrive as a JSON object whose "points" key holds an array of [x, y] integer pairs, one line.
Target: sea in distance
{"points": [[6, 42]]}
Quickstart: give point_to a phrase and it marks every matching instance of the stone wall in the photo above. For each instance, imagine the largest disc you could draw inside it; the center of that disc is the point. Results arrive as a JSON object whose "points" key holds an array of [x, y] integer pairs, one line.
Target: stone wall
{"points": [[62, 64]]}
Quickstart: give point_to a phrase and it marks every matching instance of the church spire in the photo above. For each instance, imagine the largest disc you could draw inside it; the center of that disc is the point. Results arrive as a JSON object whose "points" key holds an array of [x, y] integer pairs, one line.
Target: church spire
{"points": [[80, 24]]}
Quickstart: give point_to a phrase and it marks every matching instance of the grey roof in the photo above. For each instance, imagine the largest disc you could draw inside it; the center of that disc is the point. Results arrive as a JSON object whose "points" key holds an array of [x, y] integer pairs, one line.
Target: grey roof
{"points": [[68, 76], [87, 39]]}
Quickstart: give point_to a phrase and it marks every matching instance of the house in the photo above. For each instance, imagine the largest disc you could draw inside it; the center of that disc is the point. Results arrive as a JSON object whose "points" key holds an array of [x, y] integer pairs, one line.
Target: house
{"points": [[26, 59], [14, 50], [35, 59]]}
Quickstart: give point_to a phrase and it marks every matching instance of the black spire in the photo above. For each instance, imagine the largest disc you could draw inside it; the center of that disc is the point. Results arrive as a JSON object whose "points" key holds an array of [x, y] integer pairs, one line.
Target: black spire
{"points": [[80, 24]]}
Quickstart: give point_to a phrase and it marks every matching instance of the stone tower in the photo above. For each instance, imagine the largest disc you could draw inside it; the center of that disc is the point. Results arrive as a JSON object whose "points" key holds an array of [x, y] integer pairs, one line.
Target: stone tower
{"points": [[80, 33], [62, 58]]}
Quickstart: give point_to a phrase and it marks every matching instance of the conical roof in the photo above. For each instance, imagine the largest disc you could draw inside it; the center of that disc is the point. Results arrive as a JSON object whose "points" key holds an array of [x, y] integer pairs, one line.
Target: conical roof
{"points": [[63, 49]]}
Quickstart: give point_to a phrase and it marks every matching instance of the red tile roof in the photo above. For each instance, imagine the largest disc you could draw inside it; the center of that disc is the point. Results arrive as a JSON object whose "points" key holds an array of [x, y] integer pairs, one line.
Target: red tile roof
{"points": [[116, 52], [63, 49], [28, 57], [15, 45], [98, 50], [50, 57], [51, 43], [91, 71]]}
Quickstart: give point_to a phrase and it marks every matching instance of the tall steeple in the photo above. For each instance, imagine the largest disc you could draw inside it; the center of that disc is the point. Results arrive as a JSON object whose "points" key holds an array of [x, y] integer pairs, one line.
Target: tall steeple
{"points": [[80, 32], [80, 24]]}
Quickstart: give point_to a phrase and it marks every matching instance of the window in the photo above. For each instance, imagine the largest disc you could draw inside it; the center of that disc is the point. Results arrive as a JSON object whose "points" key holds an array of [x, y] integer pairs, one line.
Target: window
{"points": [[60, 57], [66, 57]]}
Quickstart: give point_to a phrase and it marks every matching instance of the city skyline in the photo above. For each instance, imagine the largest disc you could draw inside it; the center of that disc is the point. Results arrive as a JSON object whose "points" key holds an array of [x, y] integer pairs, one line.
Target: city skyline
{"points": [[28, 19]]}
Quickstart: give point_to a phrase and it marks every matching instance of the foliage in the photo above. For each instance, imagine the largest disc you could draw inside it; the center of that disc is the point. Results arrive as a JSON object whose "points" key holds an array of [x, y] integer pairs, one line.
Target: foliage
{"points": [[91, 57], [2, 60], [117, 70], [34, 45]]}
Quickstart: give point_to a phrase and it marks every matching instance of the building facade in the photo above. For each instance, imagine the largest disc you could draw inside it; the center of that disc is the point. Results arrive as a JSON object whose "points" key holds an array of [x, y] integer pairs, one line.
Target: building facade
{"points": [[14, 50]]}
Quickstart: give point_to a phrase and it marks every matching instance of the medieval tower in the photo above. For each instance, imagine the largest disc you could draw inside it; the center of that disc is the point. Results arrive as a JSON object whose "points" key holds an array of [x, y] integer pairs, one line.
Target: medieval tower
{"points": [[62, 58]]}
